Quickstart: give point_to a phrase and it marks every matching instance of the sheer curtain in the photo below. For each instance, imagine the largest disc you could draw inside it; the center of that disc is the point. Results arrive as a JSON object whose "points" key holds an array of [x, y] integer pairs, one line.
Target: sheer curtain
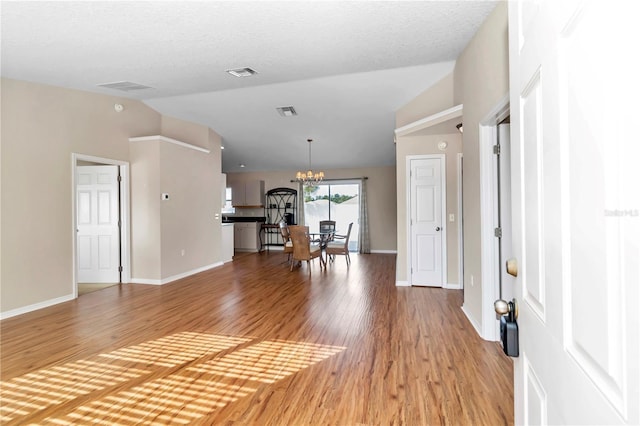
{"points": [[363, 241]]}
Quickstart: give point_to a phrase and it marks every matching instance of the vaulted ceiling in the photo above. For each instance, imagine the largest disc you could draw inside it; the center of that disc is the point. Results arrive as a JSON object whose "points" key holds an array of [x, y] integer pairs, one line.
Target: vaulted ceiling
{"points": [[345, 66]]}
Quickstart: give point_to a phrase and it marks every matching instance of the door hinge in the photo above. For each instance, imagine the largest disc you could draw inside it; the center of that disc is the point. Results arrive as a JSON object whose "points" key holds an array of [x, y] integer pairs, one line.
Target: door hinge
{"points": [[119, 224], [497, 232], [119, 268], [119, 178], [496, 149]]}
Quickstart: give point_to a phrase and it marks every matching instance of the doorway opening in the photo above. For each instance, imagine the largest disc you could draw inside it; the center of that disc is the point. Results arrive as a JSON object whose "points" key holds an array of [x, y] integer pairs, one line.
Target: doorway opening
{"points": [[101, 232], [495, 213]]}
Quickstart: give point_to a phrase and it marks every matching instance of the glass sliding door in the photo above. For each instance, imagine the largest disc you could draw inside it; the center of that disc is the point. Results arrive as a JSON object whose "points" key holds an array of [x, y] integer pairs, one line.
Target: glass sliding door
{"points": [[339, 201]]}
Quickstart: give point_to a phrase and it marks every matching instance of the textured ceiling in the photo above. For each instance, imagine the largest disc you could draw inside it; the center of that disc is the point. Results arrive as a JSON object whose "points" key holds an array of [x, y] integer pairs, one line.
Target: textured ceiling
{"points": [[346, 67]]}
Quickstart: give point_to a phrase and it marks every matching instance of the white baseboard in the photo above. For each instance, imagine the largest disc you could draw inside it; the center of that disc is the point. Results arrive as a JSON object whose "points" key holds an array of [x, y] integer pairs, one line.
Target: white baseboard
{"points": [[35, 307], [450, 286], [402, 284], [385, 251], [473, 322], [175, 277]]}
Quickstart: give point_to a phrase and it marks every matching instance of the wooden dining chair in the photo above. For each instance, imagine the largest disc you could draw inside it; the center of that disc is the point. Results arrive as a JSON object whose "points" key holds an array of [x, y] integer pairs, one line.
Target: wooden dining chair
{"points": [[302, 247], [340, 245], [286, 240]]}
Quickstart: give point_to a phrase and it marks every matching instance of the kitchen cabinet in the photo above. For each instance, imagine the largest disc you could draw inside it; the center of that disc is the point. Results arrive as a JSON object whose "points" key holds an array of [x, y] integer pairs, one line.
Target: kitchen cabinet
{"points": [[248, 194], [245, 236], [227, 242]]}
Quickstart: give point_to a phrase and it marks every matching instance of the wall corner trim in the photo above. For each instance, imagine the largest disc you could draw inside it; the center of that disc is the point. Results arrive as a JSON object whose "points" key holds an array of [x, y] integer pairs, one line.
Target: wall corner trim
{"points": [[175, 277], [452, 286], [402, 284], [169, 140], [35, 307], [432, 120]]}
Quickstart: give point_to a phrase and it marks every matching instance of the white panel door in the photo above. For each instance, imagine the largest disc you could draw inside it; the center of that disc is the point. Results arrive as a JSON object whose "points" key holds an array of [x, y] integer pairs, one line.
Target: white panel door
{"points": [[576, 210], [98, 234], [426, 233]]}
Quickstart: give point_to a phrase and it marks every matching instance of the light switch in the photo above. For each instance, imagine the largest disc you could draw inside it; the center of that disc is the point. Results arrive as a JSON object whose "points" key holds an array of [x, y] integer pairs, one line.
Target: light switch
{"points": [[451, 217]]}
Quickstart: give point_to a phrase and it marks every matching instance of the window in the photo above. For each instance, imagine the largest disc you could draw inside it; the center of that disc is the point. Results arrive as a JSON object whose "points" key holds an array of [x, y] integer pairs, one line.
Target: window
{"points": [[339, 201]]}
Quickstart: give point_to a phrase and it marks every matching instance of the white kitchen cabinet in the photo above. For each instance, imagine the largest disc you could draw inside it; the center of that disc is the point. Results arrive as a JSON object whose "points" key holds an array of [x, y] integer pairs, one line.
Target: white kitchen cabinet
{"points": [[248, 194], [227, 242], [245, 236]]}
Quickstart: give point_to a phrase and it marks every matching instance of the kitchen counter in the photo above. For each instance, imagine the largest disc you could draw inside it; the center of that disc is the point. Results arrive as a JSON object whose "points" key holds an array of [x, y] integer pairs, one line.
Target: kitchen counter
{"points": [[238, 219]]}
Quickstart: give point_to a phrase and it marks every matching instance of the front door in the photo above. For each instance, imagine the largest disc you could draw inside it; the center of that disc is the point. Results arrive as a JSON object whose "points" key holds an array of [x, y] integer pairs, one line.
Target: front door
{"points": [[576, 210], [426, 222], [97, 216]]}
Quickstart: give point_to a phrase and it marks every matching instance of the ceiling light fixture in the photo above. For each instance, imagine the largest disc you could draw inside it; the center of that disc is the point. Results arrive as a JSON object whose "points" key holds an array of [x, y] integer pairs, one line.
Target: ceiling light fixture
{"points": [[459, 127], [242, 72], [309, 178]]}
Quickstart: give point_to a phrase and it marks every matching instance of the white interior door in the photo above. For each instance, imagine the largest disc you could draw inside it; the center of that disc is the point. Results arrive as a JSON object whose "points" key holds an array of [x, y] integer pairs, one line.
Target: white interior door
{"points": [[426, 222], [98, 233], [576, 201]]}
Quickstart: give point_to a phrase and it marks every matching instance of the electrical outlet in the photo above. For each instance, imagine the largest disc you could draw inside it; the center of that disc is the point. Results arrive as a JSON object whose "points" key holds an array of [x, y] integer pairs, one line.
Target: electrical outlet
{"points": [[165, 196], [471, 280], [182, 252]]}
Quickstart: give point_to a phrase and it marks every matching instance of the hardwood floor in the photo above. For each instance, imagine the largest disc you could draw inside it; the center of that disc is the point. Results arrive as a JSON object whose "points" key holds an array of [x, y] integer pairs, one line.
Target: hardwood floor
{"points": [[252, 343]]}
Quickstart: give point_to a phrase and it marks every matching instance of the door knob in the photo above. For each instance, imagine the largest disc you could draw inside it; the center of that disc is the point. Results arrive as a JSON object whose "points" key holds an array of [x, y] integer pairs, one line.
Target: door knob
{"points": [[512, 267], [437, 228], [503, 308]]}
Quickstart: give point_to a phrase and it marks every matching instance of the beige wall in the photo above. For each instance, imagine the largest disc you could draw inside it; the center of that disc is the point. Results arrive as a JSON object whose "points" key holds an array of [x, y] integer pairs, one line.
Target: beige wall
{"points": [[380, 189], [41, 127], [190, 177], [145, 210], [435, 99], [481, 78], [422, 145], [438, 97]]}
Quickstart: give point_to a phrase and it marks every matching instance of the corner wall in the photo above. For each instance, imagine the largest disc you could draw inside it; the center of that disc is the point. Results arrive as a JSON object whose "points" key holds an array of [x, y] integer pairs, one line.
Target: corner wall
{"points": [[41, 127], [481, 80]]}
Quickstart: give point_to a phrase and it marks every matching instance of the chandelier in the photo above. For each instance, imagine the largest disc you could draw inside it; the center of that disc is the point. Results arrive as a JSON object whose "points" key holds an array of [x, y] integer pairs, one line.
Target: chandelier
{"points": [[309, 177]]}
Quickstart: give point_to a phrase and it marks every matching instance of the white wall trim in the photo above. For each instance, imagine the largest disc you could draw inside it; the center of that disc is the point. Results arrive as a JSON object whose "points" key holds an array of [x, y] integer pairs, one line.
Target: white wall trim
{"points": [[488, 218], [36, 306], [452, 286], [169, 140], [125, 228], [432, 120], [175, 277], [460, 165], [403, 284], [471, 320], [385, 251]]}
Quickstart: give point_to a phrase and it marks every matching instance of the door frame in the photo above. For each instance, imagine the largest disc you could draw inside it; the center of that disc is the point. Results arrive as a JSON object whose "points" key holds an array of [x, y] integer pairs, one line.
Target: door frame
{"points": [[460, 172], [125, 229], [488, 133], [443, 206]]}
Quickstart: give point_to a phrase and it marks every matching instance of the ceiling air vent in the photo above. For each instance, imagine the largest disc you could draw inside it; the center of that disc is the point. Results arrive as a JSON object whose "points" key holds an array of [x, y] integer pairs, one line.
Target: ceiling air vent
{"points": [[242, 72], [125, 86], [287, 111]]}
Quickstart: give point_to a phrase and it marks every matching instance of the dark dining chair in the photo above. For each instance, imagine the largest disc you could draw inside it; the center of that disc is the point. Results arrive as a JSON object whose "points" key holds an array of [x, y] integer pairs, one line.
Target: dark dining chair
{"points": [[328, 226]]}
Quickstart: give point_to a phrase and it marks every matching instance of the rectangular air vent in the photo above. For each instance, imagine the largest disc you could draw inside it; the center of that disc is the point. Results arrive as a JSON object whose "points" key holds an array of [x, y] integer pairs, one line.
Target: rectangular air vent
{"points": [[125, 86], [242, 72], [287, 111]]}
